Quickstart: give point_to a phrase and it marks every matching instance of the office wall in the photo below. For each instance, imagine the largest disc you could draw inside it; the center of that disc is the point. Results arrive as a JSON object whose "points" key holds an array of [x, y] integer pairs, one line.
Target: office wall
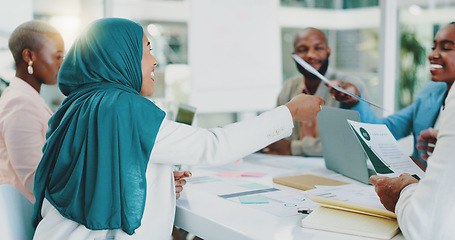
{"points": [[234, 55], [12, 14]]}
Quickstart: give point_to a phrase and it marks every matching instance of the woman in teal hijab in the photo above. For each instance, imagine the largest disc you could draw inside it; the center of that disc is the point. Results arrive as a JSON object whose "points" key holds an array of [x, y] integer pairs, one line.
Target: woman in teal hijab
{"points": [[96, 148], [102, 173]]}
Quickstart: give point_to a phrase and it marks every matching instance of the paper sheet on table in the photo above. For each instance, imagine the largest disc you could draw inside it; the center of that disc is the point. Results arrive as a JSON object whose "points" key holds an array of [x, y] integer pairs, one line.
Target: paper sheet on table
{"points": [[383, 150], [278, 202], [247, 169], [284, 162], [310, 69], [354, 193]]}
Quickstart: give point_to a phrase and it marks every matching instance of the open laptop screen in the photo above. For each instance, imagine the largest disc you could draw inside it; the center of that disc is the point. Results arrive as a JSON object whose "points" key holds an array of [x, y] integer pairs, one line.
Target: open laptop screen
{"points": [[341, 150]]}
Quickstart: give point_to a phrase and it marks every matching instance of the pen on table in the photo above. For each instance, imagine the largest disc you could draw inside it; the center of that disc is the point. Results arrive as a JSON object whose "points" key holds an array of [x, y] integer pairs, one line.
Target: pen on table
{"points": [[304, 211]]}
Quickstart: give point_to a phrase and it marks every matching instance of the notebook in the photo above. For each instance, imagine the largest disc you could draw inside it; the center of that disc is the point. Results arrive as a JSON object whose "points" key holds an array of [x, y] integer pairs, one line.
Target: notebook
{"points": [[351, 218], [353, 223], [307, 181], [340, 148]]}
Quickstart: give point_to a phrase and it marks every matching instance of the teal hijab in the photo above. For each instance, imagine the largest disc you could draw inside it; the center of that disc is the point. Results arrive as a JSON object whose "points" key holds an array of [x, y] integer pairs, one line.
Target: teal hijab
{"points": [[100, 139]]}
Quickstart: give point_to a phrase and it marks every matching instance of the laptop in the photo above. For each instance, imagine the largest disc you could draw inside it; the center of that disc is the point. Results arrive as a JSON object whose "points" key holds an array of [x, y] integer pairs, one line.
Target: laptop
{"points": [[341, 150], [185, 114]]}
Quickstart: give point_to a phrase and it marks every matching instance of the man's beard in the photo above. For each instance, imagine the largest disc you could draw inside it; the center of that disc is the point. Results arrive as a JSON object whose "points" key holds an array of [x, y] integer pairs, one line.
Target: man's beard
{"points": [[322, 70]]}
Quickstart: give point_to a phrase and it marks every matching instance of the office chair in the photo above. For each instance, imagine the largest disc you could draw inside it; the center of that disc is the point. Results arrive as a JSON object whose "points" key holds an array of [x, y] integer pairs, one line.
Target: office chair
{"points": [[15, 214]]}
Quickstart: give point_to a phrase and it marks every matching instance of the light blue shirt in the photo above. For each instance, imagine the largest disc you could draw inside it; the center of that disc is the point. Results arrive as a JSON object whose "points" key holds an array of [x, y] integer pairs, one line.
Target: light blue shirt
{"points": [[418, 116]]}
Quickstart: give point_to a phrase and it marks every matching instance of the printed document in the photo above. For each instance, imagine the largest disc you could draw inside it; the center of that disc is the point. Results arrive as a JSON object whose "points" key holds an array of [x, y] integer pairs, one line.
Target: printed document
{"points": [[383, 150]]}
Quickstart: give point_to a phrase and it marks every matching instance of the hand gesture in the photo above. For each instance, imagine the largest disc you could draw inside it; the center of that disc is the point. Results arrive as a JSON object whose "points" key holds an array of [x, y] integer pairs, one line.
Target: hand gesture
{"points": [[388, 189], [342, 97], [304, 107], [180, 181], [426, 141]]}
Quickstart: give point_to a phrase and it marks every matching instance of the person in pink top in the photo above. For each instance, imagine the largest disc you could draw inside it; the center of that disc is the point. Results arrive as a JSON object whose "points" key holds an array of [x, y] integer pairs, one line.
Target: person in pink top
{"points": [[38, 51]]}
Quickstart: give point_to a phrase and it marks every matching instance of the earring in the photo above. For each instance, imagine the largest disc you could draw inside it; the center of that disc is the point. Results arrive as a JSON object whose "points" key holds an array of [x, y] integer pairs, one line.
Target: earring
{"points": [[30, 68]]}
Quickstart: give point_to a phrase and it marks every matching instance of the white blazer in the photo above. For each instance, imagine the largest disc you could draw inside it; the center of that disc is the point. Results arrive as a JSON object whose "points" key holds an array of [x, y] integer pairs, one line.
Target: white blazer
{"points": [[177, 144], [426, 210]]}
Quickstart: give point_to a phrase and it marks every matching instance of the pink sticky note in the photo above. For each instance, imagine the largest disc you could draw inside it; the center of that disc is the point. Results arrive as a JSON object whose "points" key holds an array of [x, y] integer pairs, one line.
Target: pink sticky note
{"points": [[253, 174], [229, 174]]}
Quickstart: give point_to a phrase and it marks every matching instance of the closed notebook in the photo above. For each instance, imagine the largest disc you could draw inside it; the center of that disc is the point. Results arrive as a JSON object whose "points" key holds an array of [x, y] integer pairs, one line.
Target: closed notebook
{"points": [[307, 181], [350, 218]]}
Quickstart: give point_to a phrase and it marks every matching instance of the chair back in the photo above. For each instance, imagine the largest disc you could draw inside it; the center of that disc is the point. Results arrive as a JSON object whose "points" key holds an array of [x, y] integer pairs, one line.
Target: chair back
{"points": [[15, 214]]}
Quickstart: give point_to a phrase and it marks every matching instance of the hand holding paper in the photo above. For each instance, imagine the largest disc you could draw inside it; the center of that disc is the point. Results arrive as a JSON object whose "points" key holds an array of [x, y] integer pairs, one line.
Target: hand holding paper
{"points": [[341, 97], [310, 69], [388, 189], [426, 142]]}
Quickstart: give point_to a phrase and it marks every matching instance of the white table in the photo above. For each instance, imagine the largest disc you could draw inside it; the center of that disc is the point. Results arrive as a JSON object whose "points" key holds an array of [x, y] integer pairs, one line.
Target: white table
{"points": [[211, 217]]}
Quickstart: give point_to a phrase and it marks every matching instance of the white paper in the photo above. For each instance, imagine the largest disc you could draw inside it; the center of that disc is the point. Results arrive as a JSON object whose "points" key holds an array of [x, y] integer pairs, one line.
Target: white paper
{"points": [[360, 194], [310, 69], [281, 203], [383, 150]]}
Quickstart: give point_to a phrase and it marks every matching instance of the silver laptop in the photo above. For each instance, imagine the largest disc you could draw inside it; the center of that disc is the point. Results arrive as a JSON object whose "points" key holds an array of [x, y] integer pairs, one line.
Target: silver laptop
{"points": [[340, 148]]}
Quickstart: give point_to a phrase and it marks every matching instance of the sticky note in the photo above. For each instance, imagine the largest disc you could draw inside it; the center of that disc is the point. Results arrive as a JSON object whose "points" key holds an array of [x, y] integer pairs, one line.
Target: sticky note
{"points": [[253, 199], [229, 174], [253, 174]]}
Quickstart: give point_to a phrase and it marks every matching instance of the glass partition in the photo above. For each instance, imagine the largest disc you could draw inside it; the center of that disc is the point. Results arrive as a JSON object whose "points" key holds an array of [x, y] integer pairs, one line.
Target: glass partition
{"points": [[352, 28], [330, 4], [418, 23]]}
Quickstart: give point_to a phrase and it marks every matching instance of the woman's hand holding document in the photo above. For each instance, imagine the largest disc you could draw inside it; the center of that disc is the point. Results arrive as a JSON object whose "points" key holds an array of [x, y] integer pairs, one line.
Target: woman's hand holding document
{"points": [[383, 150]]}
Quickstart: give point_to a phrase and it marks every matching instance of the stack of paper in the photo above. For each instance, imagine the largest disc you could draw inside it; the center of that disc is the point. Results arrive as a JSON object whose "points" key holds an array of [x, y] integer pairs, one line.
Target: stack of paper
{"points": [[351, 218]]}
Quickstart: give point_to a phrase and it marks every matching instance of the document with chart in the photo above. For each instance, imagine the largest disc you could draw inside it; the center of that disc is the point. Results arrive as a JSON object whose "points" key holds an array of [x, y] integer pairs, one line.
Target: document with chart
{"points": [[383, 150]]}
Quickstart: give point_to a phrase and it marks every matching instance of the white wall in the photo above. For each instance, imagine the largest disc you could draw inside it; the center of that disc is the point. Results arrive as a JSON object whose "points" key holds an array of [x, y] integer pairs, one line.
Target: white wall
{"points": [[12, 14], [234, 55]]}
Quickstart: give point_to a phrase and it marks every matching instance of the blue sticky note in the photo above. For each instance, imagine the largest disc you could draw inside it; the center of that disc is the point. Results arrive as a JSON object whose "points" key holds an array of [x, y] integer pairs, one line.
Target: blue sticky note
{"points": [[253, 199], [300, 166]]}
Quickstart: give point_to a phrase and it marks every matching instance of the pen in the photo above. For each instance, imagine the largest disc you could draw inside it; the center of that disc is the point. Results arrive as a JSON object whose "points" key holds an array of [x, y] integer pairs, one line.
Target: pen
{"points": [[305, 211]]}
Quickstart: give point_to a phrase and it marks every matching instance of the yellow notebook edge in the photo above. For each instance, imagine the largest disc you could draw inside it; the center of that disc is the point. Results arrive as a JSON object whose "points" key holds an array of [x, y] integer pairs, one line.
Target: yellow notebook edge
{"points": [[353, 207], [311, 225], [290, 184]]}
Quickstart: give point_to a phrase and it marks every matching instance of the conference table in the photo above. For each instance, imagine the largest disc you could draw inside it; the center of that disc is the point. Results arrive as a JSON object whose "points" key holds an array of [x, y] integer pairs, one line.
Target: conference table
{"points": [[208, 210]]}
